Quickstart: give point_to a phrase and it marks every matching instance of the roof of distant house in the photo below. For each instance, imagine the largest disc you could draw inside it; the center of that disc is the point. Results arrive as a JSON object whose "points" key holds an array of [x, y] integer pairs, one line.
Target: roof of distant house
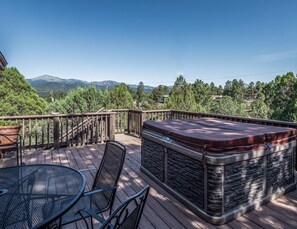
{"points": [[3, 61]]}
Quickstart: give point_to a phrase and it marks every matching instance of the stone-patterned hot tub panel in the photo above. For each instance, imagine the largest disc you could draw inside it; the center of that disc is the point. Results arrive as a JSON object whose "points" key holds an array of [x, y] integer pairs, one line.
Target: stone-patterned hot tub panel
{"points": [[186, 176], [243, 183], [280, 168], [152, 158]]}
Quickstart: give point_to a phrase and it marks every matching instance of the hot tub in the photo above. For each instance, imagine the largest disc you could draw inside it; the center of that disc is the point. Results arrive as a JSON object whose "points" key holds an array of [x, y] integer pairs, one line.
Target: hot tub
{"points": [[219, 169]]}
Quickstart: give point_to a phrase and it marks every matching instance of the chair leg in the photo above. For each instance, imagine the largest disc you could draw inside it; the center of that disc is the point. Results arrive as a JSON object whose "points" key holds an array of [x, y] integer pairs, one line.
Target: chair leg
{"points": [[17, 152], [92, 223], [84, 219]]}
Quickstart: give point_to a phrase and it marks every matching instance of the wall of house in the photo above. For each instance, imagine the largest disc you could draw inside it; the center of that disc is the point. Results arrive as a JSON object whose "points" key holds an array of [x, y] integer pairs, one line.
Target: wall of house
{"points": [[3, 62]]}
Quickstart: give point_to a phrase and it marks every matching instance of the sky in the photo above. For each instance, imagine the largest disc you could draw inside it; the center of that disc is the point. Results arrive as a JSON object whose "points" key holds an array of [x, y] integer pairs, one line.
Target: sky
{"points": [[152, 41]]}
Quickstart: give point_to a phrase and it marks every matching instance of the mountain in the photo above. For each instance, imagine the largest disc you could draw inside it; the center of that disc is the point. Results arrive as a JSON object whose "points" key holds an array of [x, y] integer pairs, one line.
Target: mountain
{"points": [[46, 83]]}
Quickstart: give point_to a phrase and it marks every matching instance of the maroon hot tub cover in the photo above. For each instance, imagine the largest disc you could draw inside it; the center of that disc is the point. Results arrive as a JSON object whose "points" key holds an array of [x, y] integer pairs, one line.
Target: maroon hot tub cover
{"points": [[221, 136]]}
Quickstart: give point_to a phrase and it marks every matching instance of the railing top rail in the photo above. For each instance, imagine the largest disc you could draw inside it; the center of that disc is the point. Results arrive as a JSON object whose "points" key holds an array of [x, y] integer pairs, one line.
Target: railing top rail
{"points": [[113, 111], [239, 118], [147, 111], [155, 111], [118, 110], [55, 115], [136, 111]]}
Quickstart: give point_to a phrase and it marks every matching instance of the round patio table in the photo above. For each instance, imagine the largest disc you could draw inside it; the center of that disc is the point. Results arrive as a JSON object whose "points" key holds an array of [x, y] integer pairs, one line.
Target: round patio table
{"points": [[33, 196]]}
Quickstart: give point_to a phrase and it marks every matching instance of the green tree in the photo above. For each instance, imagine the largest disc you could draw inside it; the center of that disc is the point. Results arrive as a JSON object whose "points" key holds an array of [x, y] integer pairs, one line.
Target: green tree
{"points": [[120, 97], [203, 95], [220, 90], [250, 91], [228, 88], [79, 100], [17, 97], [238, 90], [229, 106], [268, 91], [283, 97], [259, 87], [182, 97], [213, 89], [106, 98], [139, 94], [259, 109], [158, 93]]}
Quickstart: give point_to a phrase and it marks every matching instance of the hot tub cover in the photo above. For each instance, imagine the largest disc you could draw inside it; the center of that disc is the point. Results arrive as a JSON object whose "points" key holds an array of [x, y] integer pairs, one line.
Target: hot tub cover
{"points": [[217, 135]]}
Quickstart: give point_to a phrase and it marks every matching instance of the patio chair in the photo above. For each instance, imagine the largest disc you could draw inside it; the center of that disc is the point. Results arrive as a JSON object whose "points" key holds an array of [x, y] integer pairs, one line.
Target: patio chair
{"points": [[100, 199], [127, 215]]}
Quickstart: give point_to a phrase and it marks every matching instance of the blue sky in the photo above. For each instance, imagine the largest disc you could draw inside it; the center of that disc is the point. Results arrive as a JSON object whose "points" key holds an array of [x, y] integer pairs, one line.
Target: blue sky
{"points": [[151, 40]]}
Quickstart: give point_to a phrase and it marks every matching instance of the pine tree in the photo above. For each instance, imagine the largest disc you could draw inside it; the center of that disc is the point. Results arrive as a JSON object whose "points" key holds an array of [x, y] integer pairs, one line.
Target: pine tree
{"points": [[182, 97]]}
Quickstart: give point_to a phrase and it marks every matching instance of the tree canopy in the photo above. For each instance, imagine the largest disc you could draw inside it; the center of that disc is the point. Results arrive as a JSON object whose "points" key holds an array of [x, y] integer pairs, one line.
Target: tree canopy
{"points": [[79, 100], [282, 97], [139, 94], [17, 95], [182, 97], [120, 97], [229, 106], [203, 94]]}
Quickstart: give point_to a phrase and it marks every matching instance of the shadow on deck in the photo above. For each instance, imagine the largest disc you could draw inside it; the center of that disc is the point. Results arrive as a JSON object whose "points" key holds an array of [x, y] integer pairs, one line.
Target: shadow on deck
{"points": [[162, 210]]}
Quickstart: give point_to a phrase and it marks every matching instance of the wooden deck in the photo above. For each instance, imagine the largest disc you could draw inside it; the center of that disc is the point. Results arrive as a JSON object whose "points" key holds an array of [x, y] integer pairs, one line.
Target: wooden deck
{"points": [[162, 210]]}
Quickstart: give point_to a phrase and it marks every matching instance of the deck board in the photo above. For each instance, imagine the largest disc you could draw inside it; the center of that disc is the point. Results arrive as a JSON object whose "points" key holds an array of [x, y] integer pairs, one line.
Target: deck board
{"points": [[162, 209]]}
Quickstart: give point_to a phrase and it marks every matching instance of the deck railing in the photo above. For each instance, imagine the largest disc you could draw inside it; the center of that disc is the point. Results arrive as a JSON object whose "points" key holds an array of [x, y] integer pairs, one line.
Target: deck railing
{"points": [[137, 117], [56, 130]]}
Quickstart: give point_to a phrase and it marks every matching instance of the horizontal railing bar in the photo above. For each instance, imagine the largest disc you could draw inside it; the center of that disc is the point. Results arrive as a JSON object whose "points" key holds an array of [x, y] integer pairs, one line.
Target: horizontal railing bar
{"points": [[56, 115], [270, 121]]}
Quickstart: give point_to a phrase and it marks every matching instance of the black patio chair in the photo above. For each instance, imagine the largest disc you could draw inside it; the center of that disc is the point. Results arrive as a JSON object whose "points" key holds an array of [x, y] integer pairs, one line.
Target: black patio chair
{"points": [[100, 199], [127, 215]]}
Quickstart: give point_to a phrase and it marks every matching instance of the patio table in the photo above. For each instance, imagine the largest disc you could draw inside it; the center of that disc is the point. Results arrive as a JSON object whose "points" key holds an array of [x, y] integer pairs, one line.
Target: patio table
{"points": [[33, 196]]}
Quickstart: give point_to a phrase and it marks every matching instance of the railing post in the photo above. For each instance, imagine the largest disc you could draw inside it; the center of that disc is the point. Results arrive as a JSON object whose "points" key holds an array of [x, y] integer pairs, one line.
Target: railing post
{"points": [[112, 126], [142, 120], [129, 121], [171, 116], [56, 131]]}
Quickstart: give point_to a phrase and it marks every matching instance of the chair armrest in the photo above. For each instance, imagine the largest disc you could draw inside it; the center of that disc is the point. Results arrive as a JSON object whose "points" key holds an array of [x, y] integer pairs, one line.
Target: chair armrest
{"points": [[100, 190], [92, 214]]}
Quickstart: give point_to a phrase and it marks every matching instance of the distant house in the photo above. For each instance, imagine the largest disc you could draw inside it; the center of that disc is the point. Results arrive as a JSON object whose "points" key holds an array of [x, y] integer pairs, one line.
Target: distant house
{"points": [[217, 97], [3, 61], [165, 98]]}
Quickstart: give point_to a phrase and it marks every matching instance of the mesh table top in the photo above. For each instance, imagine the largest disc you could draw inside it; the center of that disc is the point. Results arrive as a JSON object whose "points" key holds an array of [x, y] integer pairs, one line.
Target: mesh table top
{"points": [[33, 196]]}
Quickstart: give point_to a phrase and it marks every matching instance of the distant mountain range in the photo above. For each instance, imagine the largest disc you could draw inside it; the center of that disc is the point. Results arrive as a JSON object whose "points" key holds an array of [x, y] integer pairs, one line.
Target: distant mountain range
{"points": [[46, 83]]}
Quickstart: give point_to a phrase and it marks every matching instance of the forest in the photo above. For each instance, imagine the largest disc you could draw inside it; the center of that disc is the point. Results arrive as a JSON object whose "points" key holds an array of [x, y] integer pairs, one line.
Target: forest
{"points": [[273, 100]]}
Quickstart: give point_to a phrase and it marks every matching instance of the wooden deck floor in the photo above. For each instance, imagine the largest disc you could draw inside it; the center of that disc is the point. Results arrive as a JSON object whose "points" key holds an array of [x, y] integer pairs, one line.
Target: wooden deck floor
{"points": [[162, 210]]}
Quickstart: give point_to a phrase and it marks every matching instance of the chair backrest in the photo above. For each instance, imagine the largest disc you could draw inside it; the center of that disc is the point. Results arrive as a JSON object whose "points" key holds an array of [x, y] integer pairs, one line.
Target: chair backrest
{"points": [[108, 174], [128, 214]]}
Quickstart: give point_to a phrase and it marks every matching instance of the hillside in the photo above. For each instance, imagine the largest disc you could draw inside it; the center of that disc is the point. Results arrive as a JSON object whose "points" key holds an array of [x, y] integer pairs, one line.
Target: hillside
{"points": [[46, 83]]}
